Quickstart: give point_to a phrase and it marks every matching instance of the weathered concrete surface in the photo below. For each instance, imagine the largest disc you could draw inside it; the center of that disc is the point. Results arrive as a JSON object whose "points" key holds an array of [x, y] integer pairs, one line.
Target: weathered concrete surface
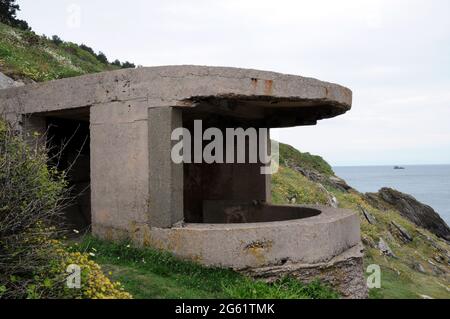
{"points": [[165, 177], [181, 86], [310, 240], [326, 246], [119, 164], [343, 272]]}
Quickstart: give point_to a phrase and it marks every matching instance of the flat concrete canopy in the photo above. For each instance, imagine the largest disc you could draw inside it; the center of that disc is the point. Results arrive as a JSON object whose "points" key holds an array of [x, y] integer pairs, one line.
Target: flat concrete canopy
{"points": [[261, 98]]}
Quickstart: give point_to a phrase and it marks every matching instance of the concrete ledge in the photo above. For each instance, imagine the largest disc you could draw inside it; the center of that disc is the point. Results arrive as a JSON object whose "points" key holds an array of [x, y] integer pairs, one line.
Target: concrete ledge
{"points": [[180, 86], [310, 240]]}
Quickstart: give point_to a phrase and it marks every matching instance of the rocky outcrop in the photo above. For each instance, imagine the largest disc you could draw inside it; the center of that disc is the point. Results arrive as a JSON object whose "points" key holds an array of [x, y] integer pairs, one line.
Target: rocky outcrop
{"points": [[7, 82], [344, 272], [420, 214], [315, 176]]}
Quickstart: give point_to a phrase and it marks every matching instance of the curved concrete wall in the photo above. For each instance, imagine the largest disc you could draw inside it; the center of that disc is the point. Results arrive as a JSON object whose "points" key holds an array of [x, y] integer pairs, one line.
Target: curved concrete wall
{"points": [[310, 240]]}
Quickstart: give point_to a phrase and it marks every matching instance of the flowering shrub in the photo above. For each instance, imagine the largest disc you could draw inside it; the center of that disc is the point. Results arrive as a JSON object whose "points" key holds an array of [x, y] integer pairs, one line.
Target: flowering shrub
{"points": [[94, 284], [32, 195]]}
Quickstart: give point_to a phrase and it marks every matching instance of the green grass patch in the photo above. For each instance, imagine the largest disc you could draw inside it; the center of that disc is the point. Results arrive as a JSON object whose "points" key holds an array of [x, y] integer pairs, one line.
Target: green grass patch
{"points": [[289, 155], [24, 54], [288, 184], [149, 273]]}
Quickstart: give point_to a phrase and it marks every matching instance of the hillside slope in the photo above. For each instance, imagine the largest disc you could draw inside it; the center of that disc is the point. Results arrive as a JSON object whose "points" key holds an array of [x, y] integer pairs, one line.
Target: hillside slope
{"points": [[414, 262], [27, 56]]}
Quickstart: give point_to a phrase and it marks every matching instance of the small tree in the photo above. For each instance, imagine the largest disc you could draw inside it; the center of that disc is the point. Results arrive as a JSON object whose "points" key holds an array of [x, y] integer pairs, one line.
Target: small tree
{"points": [[116, 63], [56, 40], [128, 65], [87, 49], [102, 58], [8, 13]]}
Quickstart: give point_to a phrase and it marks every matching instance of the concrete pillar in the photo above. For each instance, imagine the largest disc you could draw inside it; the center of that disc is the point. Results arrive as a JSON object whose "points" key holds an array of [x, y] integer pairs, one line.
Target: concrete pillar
{"points": [[119, 166], [165, 177]]}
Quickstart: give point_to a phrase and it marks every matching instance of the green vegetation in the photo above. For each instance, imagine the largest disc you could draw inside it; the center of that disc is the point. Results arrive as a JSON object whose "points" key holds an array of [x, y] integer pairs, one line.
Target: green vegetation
{"points": [[8, 14], [291, 157], [148, 273], [26, 55], [33, 263], [288, 186], [402, 277]]}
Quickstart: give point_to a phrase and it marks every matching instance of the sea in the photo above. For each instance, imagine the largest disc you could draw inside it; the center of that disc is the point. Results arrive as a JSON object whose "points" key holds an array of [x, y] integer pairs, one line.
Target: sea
{"points": [[430, 184]]}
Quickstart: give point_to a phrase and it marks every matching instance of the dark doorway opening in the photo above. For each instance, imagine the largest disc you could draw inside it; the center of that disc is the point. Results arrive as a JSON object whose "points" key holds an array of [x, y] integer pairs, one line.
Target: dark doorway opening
{"points": [[68, 144]]}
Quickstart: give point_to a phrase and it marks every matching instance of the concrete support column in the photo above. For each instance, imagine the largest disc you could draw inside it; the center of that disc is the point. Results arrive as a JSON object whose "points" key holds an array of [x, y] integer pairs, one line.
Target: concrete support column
{"points": [[119, 166], [165, 177]]}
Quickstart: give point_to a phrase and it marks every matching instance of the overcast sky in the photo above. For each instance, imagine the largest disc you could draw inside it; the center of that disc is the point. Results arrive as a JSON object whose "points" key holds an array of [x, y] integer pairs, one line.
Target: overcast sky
{"points": [[394, 55]]}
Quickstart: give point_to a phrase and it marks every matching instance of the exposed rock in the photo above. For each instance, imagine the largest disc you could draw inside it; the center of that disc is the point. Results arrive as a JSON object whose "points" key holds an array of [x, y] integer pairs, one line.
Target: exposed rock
{"points": [[418, 267], [331, 199], [369, 217], [344, 272], [368, 241], [375, 201], [317, 177], [384, 248], [404, 235], [420, 214], [436, 269], [339, 183], [7, 82]]}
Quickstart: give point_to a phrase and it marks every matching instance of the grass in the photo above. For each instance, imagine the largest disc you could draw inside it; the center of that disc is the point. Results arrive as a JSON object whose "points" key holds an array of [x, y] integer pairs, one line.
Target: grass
{"points": [[289, 155], [400, 277], [25, 55], [148, 273], [288, 184]]}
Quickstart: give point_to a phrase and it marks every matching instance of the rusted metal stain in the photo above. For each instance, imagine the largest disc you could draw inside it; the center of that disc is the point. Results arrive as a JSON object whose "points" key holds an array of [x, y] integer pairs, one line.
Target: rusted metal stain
{"points": [[254, 84], [268, 87]]}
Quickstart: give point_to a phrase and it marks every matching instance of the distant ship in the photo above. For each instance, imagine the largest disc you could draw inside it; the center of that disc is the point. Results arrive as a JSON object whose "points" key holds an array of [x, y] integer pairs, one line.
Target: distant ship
{"points": [[398, 167]]}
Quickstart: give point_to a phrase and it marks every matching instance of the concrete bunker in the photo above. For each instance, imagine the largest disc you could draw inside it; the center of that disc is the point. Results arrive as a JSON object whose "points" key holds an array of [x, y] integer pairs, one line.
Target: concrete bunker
{"points": [[216, 214]]}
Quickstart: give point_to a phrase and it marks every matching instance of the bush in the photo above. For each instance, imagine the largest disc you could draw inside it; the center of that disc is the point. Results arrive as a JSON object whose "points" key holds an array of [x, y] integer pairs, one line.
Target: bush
{"points": [[128, 65], [102, 58], [56, 40], [32, 195], [87, 49], [8, 12], [117, 63]]}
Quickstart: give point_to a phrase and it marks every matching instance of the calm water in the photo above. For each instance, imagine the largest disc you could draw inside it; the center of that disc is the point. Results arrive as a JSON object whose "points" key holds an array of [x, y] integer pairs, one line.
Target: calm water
{"points": [[429, 184]]}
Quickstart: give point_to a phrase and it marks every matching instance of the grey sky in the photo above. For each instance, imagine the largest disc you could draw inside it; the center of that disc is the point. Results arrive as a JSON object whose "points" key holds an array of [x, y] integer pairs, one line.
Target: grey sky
{"points": [[394, 55]]}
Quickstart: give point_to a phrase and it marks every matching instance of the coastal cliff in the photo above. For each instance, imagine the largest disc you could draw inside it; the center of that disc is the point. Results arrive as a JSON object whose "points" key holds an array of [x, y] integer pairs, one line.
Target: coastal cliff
{"points": [[420, 214], [406, 238]]}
